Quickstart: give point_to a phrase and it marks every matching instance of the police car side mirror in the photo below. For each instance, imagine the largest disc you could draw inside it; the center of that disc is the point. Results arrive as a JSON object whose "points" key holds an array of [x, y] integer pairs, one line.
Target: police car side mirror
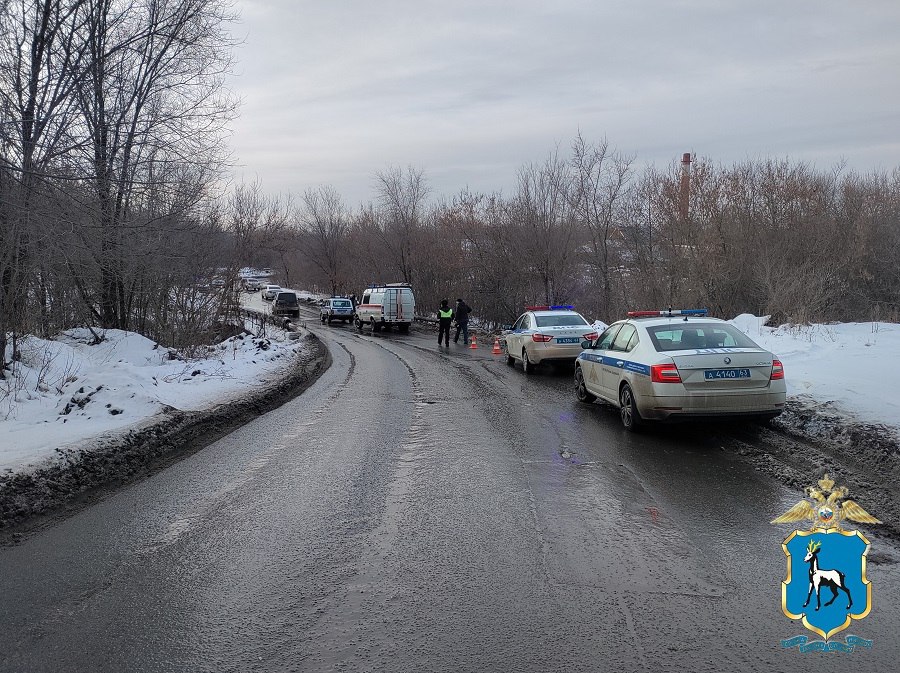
{"points": [[586, 345]]}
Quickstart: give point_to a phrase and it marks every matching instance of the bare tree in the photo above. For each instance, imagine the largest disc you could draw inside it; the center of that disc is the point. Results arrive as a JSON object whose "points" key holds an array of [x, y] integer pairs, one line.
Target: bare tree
{"points": [[151, 98], [601, 176], [40, 61], [641, 228], [325, 222], [493, 270], [549, 238], [402, 198]]}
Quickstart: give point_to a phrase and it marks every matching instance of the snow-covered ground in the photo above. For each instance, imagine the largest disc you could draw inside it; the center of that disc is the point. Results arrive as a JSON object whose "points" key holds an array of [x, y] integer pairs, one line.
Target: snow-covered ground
{"points": [[855, 366], [70, 391], [67, 391]]}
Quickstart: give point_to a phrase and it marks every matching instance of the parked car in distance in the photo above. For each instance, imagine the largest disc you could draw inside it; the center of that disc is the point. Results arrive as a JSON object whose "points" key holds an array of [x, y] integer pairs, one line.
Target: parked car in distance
{"points": [[386, 306], [336, 308], [547, 334], [669, 365], [252, 284], [269, 291], [286, 303]]}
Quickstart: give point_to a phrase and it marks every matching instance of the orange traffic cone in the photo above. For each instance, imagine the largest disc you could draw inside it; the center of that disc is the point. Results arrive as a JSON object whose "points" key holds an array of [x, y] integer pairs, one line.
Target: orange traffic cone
{"points": [[496, 350], [474, 343]]}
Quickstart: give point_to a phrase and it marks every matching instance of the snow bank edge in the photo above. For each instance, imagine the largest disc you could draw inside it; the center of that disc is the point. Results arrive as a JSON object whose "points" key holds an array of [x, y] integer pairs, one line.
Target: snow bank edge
{"points": [[80, 476]]}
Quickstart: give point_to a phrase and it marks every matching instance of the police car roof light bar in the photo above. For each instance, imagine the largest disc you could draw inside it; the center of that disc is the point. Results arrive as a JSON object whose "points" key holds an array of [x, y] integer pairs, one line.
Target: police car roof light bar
{"points": [[567, 307], [668, 313]]}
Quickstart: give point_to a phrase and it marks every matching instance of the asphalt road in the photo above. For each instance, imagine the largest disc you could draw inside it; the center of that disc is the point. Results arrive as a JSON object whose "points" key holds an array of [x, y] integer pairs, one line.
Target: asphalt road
{"points": [[428, 509]]}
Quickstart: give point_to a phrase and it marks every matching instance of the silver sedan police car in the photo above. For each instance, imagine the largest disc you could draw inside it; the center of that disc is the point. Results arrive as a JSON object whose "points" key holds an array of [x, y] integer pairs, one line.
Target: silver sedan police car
{"points": [[546, 334], [667, 365]]}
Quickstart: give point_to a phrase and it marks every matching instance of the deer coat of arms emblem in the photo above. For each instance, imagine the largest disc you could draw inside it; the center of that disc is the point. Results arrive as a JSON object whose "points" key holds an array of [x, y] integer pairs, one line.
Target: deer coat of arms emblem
{"points": [[835, 561]]}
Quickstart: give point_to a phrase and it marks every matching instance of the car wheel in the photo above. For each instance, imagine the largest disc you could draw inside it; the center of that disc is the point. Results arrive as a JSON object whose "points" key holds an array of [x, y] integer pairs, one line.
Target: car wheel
{"points": [[359, 325], [375, 326], [631, 418], [527, 367], [323, 319], [510, 360], [581, 391]]}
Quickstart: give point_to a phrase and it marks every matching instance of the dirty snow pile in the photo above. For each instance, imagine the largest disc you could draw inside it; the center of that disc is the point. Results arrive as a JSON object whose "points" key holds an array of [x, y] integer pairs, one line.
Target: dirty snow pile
{"points": [[66, 390]]}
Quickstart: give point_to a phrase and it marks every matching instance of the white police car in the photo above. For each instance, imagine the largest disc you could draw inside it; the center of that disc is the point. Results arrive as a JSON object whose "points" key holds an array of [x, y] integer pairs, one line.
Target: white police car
{"points": [[546, 334], [666, 365], [336, 308]]}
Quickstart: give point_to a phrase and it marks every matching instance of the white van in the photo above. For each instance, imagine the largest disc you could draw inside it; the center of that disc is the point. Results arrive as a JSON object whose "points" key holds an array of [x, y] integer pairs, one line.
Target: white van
{"points": [[384, 306]]}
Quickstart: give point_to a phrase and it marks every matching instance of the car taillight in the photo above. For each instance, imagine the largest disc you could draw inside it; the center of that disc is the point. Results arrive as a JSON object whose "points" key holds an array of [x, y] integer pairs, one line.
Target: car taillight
{"points": [[777, 370], [664, 374], [541, 338], [589, 337]]}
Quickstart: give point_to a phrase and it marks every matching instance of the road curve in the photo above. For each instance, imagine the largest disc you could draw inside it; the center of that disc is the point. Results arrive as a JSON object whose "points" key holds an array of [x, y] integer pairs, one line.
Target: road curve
{"points": [[425, 509]]}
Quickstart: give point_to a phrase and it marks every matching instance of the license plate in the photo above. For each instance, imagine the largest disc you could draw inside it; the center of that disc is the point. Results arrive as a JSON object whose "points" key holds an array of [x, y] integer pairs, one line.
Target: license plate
{"points": [[717, 374], [568, 340]]}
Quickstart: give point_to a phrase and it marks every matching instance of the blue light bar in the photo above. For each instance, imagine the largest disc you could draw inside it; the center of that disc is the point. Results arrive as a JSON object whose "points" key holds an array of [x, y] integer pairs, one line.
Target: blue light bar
{"points": [[668, 313], [550, 308]]}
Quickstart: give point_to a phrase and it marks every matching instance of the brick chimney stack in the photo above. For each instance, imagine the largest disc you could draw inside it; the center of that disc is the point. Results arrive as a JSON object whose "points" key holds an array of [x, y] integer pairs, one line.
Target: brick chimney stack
{"points": [[685, 184]]}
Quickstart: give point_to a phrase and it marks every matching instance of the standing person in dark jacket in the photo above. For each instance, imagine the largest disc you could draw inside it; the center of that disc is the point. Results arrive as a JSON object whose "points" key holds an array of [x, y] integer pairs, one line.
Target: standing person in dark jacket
{"points": [[462, 321], [445, 319]]}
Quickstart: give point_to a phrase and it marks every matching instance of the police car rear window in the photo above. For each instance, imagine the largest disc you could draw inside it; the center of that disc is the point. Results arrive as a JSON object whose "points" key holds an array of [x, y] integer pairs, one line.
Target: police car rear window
{"points": [[341, 303], [566, 320], [694, 336]]}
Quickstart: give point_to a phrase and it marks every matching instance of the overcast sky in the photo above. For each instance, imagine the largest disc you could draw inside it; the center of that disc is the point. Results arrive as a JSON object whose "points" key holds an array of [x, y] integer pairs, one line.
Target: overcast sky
{"points": [[471, 90]]}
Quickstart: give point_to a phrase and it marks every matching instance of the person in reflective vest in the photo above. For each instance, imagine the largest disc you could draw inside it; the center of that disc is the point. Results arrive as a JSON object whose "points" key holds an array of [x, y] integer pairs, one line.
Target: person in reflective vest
{"points": [[445, 319]]}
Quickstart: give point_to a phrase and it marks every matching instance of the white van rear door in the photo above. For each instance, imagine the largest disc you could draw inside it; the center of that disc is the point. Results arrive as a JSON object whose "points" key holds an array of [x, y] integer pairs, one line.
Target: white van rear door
{"points": [[391, 304], [408, 305], [399, 304]]}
